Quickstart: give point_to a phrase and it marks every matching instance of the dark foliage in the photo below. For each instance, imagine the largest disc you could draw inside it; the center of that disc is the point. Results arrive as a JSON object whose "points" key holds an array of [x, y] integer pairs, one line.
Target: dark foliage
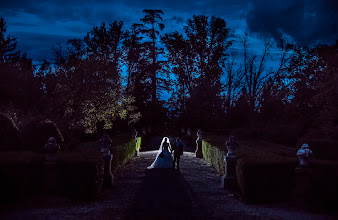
{"points": [[37, 131], [10, 138], [80, 179], [84, 86], [266, 181], [21, 174], [17, 83], [197, 60], [324, 185]]}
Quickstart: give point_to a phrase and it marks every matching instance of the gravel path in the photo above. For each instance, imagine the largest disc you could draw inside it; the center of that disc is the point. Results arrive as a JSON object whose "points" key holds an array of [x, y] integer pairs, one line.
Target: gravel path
{"points": [[137, 195]]}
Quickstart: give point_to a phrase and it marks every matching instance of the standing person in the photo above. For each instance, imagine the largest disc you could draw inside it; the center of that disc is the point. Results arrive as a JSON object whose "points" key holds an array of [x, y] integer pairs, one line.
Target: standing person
{"points": [[178, 151], [163, 158]]}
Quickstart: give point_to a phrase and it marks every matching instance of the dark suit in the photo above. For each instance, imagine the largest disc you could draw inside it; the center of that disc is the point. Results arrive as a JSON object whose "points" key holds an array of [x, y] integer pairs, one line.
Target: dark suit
{"points": [[178, 151]]}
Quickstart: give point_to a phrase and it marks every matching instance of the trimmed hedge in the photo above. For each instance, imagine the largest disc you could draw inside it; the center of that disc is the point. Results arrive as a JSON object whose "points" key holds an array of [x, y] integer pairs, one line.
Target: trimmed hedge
{"points": [[122, 154], [78, 175], [266, 181], [139, 143], [214, 156], [268, 175], [262, 176], [324, 184], [23, 173]]}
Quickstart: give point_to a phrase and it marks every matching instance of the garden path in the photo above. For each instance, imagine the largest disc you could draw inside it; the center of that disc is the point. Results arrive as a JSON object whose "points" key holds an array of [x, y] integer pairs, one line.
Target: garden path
{"points": [[193, 192]]}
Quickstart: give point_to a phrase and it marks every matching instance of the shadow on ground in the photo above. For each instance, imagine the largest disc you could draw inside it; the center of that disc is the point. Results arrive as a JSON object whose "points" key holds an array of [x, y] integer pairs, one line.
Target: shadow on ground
{"points": [[164, 194]]}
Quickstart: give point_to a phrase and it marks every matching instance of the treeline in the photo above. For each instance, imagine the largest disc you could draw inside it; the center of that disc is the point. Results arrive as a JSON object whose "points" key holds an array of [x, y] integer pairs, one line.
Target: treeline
{"points": [[115, 77]]}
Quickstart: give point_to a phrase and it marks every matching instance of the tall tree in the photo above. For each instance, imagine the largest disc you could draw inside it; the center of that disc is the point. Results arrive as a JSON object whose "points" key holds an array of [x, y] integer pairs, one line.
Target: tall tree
{"points": [[198, 61], [313, 80], [151, 28], [17, 83], [181, 64], [7, 45], [234, 76], [256, 74], [89, 79], [254, 70]]}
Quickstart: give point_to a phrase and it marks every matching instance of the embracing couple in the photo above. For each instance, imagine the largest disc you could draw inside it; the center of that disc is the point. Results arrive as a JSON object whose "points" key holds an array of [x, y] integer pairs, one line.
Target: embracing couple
{"points": [[164, 157]]}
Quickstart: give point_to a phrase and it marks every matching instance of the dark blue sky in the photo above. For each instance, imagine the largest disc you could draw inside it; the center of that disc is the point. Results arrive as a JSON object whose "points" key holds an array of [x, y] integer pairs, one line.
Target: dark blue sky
{"points": [[38, 25]]}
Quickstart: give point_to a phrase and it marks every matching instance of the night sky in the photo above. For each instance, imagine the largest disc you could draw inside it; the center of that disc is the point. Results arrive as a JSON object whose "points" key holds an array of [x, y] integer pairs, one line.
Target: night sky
{"points": [[39, 25]]}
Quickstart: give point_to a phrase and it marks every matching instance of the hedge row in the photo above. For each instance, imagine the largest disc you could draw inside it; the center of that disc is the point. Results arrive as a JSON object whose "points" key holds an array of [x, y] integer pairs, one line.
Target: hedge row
{"points": [[122, 154], [268, 178], [266, 181], [77, 175], [324, 185], [214, 156], [259, 180], [27, 173]]}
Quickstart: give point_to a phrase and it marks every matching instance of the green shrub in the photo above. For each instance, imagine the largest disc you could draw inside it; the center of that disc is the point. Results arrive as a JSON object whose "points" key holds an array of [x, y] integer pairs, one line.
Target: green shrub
{"points": [[123, 153], [214, 156], [139, 143], [265, 172], [36, 133], [10, 138], [266, 181]]}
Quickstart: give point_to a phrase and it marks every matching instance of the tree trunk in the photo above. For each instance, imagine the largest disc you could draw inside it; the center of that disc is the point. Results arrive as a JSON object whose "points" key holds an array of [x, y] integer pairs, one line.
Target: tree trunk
{"points": [[153, 76]]}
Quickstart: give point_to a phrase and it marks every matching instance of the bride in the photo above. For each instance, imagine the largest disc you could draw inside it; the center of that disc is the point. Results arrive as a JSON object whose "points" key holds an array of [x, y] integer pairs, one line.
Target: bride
{"points": [[163, 158]]}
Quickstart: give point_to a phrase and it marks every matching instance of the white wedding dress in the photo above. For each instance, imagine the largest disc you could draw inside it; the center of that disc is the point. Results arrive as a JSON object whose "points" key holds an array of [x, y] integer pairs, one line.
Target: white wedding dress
{"points": [[167, 160]]}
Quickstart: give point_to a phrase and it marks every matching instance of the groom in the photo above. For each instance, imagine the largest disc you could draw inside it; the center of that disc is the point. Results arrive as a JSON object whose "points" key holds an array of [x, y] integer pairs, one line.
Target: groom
{"points": [[178, 151]]}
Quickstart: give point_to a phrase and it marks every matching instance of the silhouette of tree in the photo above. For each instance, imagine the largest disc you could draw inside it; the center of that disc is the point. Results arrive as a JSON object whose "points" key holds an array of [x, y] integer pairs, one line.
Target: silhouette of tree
{"points": [[314, 86], [88, 75], [256, 75], [198, 62], [254, 70], [134, 55], [181, 64], [138, 78], [151, 28], [17, 85], [234, 77], [7, 45]]}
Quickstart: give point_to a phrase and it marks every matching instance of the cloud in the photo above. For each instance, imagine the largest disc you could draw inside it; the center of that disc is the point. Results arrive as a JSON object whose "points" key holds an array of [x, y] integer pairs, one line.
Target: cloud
{"points": [[43, 23], [308, 22], [39, 46]]}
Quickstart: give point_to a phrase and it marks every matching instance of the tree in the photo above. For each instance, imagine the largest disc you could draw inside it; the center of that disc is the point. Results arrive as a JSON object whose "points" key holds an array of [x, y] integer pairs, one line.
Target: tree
{"points": [[134, 56], [234, 76], [138, 78], [88, 75], [181, 64], [7, 45], [150, 27], [254, 70], [17, 84], [314, 86], [198, 61]]}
